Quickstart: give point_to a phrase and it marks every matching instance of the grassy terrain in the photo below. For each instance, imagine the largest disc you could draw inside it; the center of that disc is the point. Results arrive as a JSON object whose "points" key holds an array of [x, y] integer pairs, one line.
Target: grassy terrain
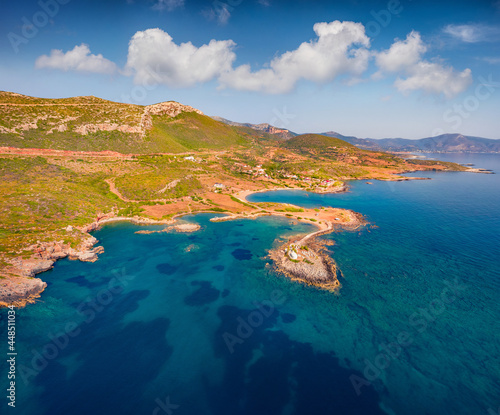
{"points": [[190, 131], [446, 164], [311, 142], [102, 140], [38, 199]]}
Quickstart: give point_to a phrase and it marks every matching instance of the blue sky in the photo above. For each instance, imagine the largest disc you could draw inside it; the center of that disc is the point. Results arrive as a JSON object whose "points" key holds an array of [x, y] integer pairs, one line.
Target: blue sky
{"points": [[395, 68]]}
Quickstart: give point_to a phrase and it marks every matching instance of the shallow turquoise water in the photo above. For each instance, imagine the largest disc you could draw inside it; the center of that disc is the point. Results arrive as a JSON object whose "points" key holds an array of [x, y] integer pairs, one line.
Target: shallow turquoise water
{"points": [[199, 324]]}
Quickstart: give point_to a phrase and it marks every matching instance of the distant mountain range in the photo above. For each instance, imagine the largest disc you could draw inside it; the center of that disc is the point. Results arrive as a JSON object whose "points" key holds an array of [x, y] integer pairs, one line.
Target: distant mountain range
{"points": [[448, 143]]}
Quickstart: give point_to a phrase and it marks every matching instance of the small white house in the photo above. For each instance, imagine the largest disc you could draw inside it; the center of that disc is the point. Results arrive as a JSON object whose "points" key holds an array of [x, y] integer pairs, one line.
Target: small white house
{"points": [[219, 186], [190, 158]]}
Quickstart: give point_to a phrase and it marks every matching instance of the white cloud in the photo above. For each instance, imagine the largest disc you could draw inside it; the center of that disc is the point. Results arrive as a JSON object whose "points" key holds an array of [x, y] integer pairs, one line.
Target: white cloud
{"points": [[405, 57], [473, 33], [402, 54], [78, 59], [168, 5], [340, 48], [321, 60], [154, 58], [435, 79]]}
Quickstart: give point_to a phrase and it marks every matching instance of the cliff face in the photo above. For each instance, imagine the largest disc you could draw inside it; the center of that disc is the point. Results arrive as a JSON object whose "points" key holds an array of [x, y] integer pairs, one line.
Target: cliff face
{"points": [[282, 133]]}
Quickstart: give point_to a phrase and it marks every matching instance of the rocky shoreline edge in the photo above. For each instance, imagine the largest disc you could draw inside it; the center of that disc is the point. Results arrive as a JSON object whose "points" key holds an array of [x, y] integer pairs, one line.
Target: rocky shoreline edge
{"points": [[18, 285]]}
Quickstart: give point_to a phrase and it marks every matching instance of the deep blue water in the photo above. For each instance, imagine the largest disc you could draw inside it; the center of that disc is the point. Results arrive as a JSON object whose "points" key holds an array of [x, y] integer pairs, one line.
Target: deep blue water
{"points": [[199, 324]]}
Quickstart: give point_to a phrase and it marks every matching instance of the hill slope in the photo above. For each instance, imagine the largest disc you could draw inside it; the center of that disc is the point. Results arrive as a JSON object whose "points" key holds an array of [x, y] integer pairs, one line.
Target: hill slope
{"points": [[316, 143], [94, 124]]}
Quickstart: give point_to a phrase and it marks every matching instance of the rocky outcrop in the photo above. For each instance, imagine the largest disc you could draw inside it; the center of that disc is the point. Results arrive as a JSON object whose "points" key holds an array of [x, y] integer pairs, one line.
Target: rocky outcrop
{"points": [[182, 228], [20, 291], [84, 129], [308, 264], [171, 109], [268, 128], [18, 286], [29, 267]]}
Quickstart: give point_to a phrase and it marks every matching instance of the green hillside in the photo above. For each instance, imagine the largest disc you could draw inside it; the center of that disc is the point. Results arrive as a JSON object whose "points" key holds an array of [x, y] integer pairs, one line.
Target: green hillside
{"points": [[93, 124], [318, 145], [315, 141], [14, 98], [191, 131]]}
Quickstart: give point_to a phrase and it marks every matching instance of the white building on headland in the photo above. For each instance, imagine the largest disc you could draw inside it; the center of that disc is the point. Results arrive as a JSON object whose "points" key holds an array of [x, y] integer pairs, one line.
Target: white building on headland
{"points": [[219, 186]]}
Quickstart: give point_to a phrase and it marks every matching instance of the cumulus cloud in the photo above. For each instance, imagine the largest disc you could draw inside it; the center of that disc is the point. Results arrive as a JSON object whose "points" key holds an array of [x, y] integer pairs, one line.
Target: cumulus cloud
{"points": [[154, 58], [402, 54], [340, 48], [473, 33], [168, 5], [78, 59], [435, 79], [405, 58]]}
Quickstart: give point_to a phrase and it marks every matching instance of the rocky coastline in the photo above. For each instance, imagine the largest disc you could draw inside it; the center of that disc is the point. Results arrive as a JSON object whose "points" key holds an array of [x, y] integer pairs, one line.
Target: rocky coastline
{"points": [[18, 284]]}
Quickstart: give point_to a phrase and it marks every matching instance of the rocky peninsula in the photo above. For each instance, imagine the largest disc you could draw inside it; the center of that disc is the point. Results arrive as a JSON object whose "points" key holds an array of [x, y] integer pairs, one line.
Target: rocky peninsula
{"points": [[306, 260]]}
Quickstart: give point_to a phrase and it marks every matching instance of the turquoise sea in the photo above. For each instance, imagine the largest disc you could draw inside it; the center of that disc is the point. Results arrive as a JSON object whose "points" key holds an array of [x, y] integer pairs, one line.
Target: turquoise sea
{"points": [[199, 323]]}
